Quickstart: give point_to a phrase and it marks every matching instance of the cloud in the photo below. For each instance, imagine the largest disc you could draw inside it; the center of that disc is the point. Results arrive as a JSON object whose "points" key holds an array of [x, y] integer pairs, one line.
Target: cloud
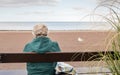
{"points": [[37, 13], [22, 3], [78, 8], [81, 9]]}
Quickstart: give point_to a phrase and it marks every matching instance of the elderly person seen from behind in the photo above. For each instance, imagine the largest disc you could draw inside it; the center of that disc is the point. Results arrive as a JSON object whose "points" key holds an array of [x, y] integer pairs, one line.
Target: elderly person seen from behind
{"points": [[41, 44]]}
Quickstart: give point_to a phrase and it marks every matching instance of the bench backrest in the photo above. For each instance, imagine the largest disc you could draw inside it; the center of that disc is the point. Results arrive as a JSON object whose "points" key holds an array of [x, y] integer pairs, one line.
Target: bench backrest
{"points": [[49, 57]]}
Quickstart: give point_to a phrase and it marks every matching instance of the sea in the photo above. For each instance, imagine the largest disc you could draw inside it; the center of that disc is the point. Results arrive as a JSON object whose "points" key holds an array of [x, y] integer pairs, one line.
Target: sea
{"points": [[56, 25]]}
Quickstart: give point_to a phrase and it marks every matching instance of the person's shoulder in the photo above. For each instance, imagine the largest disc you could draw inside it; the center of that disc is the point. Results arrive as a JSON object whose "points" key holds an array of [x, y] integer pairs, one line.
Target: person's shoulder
{"points": [[55, 42], [56, 45], [27, 47]]}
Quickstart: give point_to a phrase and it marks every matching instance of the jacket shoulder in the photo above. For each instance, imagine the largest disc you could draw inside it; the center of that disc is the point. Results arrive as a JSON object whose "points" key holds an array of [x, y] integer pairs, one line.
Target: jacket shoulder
{"points": [[27, 48], [56, 46]]}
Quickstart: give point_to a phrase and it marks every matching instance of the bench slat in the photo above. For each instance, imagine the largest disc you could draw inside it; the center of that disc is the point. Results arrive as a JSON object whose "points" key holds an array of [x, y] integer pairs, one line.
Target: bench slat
{"points": [[49, 57]]}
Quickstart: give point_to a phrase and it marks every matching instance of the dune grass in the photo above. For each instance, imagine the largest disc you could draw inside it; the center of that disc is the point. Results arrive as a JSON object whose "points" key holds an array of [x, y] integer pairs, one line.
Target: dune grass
{"points": [[112, 60]]}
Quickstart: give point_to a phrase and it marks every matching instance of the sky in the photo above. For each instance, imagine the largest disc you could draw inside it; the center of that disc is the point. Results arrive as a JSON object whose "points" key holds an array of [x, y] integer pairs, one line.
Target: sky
{"points": [[46, 10]]}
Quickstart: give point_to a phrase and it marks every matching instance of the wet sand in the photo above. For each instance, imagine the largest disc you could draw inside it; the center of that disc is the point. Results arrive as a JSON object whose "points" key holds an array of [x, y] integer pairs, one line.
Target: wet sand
{"points": [[79, 41]]}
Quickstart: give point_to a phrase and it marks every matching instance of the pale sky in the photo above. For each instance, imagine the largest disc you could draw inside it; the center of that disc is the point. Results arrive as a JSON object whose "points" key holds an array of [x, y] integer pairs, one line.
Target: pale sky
{"points": [[46, 10]]}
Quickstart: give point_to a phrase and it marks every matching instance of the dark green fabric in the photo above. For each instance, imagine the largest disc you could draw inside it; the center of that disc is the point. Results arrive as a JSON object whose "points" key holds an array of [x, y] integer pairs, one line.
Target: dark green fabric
{"points": [[41, 45]]}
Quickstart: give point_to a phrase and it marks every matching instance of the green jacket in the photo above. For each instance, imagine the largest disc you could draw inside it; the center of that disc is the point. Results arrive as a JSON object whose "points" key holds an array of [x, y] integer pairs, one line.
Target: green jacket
{"points": [[41, 45]]}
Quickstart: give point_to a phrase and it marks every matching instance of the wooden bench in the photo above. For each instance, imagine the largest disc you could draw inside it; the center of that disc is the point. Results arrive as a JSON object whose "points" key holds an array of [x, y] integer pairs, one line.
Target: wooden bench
{"points": [[50, 57]]}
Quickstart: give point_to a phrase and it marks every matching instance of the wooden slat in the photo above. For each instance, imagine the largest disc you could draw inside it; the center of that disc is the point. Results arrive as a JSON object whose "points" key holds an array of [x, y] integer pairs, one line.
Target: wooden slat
{"points": [[48, 57]]}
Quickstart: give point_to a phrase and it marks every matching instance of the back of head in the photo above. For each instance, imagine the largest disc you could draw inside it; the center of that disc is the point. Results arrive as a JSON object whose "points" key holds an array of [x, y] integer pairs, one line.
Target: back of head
{"points": [[40, 30]]}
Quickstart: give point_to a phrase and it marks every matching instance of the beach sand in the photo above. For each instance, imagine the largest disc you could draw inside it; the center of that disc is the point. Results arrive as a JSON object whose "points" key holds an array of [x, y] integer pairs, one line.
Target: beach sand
{"points": [[76, 41]]}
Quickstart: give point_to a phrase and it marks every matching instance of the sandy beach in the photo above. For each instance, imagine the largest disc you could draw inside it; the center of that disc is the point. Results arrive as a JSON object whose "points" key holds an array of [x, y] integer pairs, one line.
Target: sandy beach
{"points": [[79, 41]]}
